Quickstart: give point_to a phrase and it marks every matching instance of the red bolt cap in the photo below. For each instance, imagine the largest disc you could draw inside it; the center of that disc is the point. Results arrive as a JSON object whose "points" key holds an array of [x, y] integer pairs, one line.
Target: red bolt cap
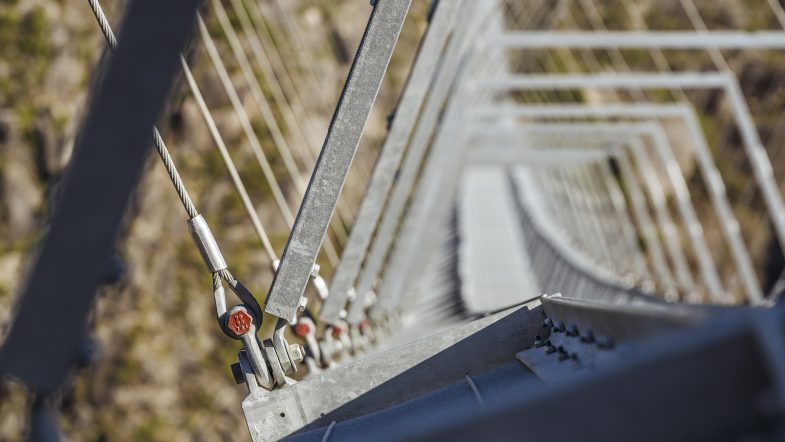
{"points": [[302, 329], [240, 322]]}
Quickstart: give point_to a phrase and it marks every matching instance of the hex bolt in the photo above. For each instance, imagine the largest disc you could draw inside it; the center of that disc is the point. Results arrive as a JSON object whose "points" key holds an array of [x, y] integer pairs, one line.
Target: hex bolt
{"points": [[239, 321], [298, 353]]}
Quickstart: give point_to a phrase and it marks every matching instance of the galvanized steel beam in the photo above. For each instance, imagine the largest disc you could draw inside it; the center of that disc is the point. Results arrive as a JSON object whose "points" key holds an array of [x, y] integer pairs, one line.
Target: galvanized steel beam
{"points": [[760, 40], [340, 145], [405, 119]]}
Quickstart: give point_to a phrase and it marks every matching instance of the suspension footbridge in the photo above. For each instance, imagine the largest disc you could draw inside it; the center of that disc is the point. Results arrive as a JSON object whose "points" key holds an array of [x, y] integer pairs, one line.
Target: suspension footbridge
{"points": [[547, 246]]}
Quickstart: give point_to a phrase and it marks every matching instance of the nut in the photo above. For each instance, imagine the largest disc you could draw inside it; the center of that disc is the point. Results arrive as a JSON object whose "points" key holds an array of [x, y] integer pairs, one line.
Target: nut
{"points": [[298, 353], [239, 321], [302, 329], [337, 331]]}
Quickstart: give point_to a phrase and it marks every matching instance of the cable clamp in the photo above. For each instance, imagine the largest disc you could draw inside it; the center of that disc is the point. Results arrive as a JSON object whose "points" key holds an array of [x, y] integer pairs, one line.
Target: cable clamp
{"points": [[206, 243]]}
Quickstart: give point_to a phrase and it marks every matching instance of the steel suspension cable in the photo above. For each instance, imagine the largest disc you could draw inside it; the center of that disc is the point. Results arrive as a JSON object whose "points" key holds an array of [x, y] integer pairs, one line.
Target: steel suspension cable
{"points": [[304, 131], [264, 109], [250, 134], [160, 146], [300, 51], [245, 122], [284, 75], [228, 162], [258, 95], [167, 159]]}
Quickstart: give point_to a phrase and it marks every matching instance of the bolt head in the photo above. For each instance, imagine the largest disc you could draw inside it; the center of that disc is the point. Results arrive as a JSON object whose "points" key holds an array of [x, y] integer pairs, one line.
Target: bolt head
{"points": [[302, 329], [240, 322], [298, 352]]}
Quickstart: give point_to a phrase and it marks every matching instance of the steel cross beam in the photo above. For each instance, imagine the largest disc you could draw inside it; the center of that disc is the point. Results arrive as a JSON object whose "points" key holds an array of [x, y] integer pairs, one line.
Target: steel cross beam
{"points": [[711, 175], [390, 156], [501, 155], [753, 146], [637, 40], [340, 145]]}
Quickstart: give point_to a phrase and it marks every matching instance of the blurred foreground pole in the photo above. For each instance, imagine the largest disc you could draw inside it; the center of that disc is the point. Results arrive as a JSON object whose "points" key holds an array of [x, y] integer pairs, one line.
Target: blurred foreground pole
{"points": [[49, 329]]}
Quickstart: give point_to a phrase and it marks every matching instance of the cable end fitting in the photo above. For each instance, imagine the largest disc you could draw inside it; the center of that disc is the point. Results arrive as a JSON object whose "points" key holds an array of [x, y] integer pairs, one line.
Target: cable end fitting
{"points": [[205, 242]]}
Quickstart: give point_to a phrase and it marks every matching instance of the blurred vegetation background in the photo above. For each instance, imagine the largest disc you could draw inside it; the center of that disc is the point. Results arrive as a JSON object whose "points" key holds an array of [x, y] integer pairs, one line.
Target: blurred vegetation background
{"points": [[162, 371]]}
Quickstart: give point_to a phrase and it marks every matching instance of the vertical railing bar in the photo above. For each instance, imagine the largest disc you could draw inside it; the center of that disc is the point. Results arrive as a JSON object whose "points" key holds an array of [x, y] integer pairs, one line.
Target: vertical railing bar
{"points": [[329, 175], [389, 159]]}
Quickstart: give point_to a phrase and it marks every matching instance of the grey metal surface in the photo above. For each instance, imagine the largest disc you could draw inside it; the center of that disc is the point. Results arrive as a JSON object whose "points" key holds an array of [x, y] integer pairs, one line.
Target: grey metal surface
{"points": [[440, 177], [504, 155], [494, 267], [337, 153], [206, 243], [760, 40], [407, 174], [383, 380], [417, 87]]}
